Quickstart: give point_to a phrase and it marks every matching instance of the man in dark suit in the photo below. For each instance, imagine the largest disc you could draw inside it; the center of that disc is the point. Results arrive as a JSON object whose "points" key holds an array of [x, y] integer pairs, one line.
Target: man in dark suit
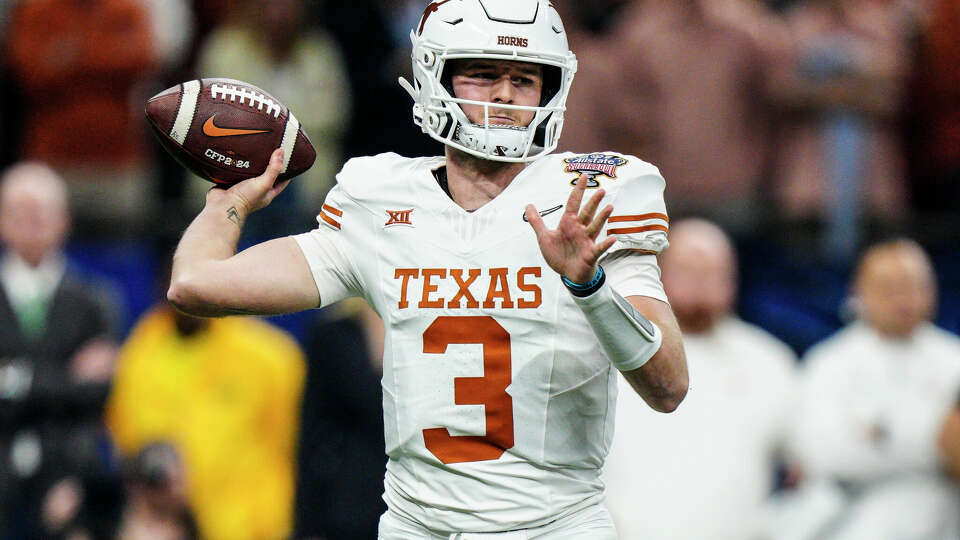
{"points": [[56, 353], [341, 462]]}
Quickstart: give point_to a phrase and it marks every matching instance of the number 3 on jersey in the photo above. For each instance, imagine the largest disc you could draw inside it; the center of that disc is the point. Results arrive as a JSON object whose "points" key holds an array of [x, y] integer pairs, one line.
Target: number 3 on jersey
{"points": [[489, 390]]}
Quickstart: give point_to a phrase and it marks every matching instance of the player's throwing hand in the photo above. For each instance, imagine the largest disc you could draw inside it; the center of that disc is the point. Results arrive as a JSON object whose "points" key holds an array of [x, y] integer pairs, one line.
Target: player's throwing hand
{"points": [[571, 249], [252, 194]]}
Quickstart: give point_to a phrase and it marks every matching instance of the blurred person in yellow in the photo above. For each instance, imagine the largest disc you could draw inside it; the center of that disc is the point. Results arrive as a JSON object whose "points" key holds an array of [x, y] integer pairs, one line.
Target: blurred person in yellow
{"points": [[876, 428], [226, 393]]}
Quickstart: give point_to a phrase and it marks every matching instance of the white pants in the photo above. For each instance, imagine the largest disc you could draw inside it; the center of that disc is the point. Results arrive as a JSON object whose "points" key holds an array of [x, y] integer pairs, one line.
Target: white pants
{"points": [[591, 523]]}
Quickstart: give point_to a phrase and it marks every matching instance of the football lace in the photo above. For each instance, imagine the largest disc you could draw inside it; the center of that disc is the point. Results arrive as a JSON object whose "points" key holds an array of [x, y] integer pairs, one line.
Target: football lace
{"points": [[258, 101]]}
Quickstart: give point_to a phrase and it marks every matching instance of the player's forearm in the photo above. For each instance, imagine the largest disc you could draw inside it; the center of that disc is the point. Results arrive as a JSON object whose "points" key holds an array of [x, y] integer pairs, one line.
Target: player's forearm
{"points": [[211, 238], [663, 381], [641, 338]]}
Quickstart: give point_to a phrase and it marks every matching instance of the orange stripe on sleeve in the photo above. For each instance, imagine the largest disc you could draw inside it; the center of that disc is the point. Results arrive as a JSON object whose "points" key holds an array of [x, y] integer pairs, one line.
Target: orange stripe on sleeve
{"points": [[628, 230], [333, 210], [641, 217], [329, 220]]}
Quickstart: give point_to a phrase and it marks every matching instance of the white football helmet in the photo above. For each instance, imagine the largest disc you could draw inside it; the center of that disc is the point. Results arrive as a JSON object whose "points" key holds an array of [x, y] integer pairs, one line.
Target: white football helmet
{"points": [[518, 30]]}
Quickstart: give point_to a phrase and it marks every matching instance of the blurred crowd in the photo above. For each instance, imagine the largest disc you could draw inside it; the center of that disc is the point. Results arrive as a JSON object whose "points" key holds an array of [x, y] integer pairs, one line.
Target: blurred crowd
{"points": [[812, 156]]}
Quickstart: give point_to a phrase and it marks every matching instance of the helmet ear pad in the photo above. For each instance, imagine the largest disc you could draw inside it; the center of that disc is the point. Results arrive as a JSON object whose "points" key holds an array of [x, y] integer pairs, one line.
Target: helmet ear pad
{"points": [[446, 80], [446, 74], [552, 76], [552, 79]]}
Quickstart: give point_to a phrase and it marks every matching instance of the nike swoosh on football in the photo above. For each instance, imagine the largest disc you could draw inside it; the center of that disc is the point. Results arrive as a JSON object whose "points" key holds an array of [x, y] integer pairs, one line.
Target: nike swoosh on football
{"points": [[212, 130], [544, 212]]}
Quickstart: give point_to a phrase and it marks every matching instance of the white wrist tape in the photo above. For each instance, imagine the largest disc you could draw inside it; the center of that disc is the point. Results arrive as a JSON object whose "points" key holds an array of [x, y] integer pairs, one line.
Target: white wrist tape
{"points": [[627, 337]]}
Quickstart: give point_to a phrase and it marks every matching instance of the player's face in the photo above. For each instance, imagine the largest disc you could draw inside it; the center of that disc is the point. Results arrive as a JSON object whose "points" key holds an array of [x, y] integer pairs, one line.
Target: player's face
{"points": [[498, 81], [896, 291]]}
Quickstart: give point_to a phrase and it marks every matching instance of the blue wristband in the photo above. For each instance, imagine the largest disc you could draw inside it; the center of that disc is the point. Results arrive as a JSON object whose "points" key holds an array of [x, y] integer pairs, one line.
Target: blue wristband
{"points": [[585, 289]]}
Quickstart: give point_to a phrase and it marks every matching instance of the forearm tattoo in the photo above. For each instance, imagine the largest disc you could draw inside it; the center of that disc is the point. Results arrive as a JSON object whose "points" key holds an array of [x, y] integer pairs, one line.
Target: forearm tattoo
{"points": [[233, 215]]}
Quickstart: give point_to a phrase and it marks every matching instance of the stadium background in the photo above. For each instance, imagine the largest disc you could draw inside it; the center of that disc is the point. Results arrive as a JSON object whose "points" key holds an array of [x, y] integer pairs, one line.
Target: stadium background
{"points": [[790, 283], [795, 265]]}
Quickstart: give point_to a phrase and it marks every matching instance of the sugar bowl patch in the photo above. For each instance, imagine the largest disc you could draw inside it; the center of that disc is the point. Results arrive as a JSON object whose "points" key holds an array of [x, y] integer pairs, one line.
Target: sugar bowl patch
{"points": [[594, 165]]}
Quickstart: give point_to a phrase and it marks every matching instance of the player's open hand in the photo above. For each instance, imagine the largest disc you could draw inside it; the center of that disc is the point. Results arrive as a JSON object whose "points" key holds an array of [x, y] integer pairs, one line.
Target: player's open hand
{"points": [[252, 194], [572, 249]]}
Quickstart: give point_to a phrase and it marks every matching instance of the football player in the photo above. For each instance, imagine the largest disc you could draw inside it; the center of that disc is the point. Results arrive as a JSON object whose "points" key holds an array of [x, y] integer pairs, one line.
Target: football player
{"points": [[510, 303]]}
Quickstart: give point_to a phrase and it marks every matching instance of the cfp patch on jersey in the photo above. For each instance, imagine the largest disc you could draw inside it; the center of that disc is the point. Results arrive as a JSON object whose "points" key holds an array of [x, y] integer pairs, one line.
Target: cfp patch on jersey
{"points": [[594, 165]]}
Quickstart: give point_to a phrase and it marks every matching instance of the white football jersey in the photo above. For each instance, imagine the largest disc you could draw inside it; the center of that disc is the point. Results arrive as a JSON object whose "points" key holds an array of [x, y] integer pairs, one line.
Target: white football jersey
{"points": [[498, 401]]}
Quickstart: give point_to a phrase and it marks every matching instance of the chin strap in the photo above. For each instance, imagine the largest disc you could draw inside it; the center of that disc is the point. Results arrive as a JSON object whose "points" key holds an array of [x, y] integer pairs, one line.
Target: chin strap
{"points": [[507, 141]]}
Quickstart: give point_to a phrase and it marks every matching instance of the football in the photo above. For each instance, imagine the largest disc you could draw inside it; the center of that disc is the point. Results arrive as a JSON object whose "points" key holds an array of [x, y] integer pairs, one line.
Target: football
{"points": [[225, 130]]}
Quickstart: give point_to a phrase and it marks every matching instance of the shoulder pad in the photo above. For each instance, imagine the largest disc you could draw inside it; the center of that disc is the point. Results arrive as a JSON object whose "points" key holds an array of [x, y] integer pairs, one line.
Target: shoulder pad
{"points": [[635, 189], [381, 177]]}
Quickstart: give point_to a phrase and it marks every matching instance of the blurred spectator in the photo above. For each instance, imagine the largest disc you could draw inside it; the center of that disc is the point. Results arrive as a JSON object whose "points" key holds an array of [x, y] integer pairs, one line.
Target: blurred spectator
{"points": [[9, 98], [61, 506], [73, 509], [934, 121], [706, 470], [589, 18], [76, 63], [874, 402], [780, 5], [685, 86], [172, 30], [840, 162], [156, 506], [341, 452], [56, 350], [376, 53], [271, 46], [5, 7], [225, 393]]}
